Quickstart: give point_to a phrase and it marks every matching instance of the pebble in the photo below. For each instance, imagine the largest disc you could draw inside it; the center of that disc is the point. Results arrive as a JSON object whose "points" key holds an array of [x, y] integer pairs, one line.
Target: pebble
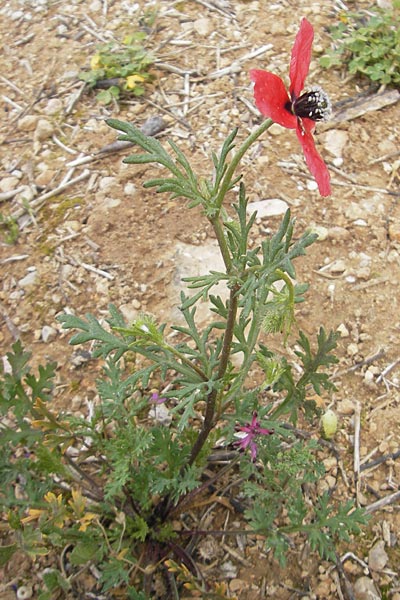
{"points": [[8, 183], [269, 207], [321, 231], [276, 130], [53, 107], [339, 233], [377, 557], [368, 377], [229, 570], [335, 141], [394, 231], [45, 177], [337, 161], [44, 130], [29, 279], [28, 123], [342, 329], [312, 185], [130, 189], [346, 407], [108, 184], [352, 349], [338, 266], [48, 333], [203, 26], [364, 589]]}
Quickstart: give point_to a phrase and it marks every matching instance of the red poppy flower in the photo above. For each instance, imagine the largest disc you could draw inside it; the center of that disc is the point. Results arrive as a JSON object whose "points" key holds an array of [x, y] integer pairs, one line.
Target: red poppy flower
{"points": [[295, 110]]}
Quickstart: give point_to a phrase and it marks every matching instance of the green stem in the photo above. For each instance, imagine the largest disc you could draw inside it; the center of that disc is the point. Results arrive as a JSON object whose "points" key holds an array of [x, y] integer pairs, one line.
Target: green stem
{"points": [[223, 365], [226, 182], [223, 246], [289, 284], [186, 361]]}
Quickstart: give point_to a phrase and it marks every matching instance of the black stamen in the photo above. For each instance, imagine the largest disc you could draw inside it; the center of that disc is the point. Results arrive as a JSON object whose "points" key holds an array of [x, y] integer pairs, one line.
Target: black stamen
{"points": [[314, 105]]}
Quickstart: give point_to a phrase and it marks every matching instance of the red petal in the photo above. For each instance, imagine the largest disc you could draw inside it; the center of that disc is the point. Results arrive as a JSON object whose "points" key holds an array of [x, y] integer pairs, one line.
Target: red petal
{"points": [[271, 98], [314, 161], [301, 57]]}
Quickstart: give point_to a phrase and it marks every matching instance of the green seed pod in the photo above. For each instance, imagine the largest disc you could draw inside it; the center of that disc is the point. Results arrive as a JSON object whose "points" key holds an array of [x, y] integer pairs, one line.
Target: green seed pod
{"points": [[329, 424]]}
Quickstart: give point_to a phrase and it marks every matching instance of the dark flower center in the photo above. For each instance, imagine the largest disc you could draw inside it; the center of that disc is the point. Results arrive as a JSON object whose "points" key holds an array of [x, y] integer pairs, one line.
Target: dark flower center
{"points": [[314, 105]]}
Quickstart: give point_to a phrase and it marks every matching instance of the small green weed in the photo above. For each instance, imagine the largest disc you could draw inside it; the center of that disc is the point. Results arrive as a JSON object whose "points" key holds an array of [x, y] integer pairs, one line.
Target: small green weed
{"points": [[9, 228], [120, 67], [369, 44]]}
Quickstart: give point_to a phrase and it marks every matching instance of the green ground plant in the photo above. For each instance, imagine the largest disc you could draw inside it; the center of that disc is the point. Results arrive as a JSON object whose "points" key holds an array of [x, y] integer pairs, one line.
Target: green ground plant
{"points": [[368, 43], [122, 68]]}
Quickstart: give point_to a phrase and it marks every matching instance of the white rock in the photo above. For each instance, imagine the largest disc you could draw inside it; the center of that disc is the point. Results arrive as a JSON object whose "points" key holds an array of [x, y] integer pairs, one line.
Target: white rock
{"points": [[352, 349], [8, 183], [53, 106], [368, 378], [335, 142], [203, 26], [130, 189], [28, 280], [312, 185], [364, 589], [269, 207], [342, 329], [337, 266], [111, 202], [337, 161], [276, 129], [377, 557], [48, 333], [108, 184], [321, 231]]}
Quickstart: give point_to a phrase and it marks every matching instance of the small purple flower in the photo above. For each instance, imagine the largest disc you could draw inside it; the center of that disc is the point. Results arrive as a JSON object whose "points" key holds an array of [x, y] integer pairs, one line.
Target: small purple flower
{"points": [[251, 429], [155, 399]]}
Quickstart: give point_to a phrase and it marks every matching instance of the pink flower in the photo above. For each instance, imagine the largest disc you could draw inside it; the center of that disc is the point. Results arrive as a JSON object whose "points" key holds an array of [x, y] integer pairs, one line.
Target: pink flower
{"points": [[252, 430], [155, 399], [293, 109]]}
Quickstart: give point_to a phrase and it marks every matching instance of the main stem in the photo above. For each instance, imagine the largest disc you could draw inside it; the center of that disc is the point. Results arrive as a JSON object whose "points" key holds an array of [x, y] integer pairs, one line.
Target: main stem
{"points": [[208, 422]]}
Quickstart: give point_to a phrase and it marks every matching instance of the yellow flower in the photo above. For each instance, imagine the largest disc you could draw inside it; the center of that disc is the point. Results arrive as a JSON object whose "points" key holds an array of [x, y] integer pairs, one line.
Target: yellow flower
{"points": [[132, 80], [86, 520], [51, 498], [95, 62], [78, 502], [33, 513]]}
